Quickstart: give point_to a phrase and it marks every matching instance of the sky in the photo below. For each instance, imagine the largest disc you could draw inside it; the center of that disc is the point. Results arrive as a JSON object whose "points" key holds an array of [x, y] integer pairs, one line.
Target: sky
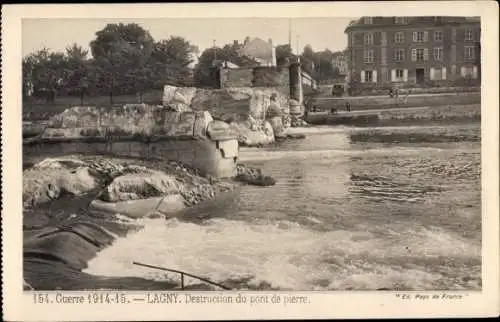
{"points": [[320, 33]]}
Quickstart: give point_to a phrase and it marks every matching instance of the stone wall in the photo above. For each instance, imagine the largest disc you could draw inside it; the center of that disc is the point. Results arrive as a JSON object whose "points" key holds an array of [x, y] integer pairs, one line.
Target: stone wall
{"points": [[139, 131], [216, 158], [275, 77], [241, 77], [236, 104]]}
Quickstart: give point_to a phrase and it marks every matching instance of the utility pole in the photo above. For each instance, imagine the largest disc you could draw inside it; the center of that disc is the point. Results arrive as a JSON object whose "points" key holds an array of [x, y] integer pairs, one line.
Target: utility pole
{"points": [[290, 33], [319, 66], [298, 37], [215, 50]]}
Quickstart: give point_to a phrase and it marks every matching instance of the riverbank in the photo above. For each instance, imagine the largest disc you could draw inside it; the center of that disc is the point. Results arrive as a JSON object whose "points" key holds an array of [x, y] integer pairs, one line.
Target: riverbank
{"points": [[398, 116], [412, 100], [77, 205]]}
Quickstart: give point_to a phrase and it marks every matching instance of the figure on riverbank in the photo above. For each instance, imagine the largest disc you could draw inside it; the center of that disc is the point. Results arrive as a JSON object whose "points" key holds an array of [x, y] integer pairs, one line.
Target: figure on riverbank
{"points": [[274, 109], [274, 116], [405, 100], [391, 92]]}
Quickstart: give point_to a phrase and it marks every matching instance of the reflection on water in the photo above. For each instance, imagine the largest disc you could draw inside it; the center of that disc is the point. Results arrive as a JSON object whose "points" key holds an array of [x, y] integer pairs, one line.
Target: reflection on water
{"points": [[352, 209]]}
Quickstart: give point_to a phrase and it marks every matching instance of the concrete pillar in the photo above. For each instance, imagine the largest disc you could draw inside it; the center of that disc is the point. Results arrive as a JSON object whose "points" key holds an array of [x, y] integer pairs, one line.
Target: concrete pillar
{"points": [[295, 81], [301, 86]]}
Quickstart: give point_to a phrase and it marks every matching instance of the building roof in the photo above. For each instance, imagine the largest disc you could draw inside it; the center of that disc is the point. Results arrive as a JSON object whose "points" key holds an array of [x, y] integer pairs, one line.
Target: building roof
{"points": [[411, 21], [259, 49], [224, 63]]}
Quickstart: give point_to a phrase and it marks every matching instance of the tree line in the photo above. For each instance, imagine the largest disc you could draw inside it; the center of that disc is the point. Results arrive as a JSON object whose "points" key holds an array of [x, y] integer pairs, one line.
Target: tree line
{"points": [[125, 59]]}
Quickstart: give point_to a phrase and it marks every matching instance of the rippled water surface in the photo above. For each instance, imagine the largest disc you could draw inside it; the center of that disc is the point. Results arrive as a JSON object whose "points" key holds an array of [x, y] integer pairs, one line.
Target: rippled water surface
{"points": [[361, 209]]}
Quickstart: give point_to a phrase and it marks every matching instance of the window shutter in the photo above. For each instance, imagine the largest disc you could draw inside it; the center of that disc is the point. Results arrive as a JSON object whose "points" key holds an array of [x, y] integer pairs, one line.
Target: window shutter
{"points": [[462, 71], [426, 54], [431, 74], [393, 75], [405, 75], [474, 72], [414, 36], [426, 36], [374, 76], [362, 76], [443, 73], [414, 54]]}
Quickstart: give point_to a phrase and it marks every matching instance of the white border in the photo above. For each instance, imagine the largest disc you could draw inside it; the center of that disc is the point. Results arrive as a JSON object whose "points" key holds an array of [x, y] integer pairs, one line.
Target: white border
{"points": [[323, 305]]}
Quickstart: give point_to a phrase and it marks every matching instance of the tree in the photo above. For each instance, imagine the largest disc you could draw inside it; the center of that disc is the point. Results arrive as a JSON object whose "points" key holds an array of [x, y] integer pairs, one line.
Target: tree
{"points": [[308, 52], [78, 71], [324, 66], [307, 58], [28, 66], [170, 61], [121, 52], [204, 72], [319, 64], [283, 52], [43, 74]]}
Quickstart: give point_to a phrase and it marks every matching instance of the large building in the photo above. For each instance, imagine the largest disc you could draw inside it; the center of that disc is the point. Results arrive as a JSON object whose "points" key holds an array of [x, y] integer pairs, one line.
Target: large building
{"points": [[413, 51]]}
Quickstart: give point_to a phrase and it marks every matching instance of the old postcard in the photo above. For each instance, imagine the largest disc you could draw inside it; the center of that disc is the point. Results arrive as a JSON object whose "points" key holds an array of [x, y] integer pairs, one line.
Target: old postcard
{"points": [[244, 161]]}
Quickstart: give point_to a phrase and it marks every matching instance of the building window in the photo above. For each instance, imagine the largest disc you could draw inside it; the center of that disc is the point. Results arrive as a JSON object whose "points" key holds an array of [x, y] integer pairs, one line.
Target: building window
{"points": [[368, 76], [399, 54], [399, 75], [368, 20], [368, 39], [468, 35], [399, 37], [368, 56], [400, 20], [419, 54], [469, 72], [469, 52], [438, 74], [419, 36], [438, 53], [438, 35]]}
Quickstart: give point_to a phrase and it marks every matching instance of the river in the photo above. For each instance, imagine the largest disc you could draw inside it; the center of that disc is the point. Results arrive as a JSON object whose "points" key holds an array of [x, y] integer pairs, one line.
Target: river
{"points": [[353, 209]]}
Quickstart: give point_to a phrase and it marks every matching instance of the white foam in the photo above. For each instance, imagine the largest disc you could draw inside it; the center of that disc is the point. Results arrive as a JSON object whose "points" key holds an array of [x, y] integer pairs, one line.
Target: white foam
{"points": [[282, 253]]}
